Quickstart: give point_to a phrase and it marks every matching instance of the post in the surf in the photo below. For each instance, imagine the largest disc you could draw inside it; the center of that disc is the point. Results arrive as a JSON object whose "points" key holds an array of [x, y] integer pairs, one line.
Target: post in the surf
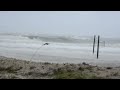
{"points": [[98, 46], [94, 44]]}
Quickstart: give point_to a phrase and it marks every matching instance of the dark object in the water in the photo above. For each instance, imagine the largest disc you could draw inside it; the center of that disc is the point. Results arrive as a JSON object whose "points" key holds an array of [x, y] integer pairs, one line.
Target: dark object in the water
{"points": [[109, 68], [94, 44], [98, 46], [85, 63], [46, 44]]}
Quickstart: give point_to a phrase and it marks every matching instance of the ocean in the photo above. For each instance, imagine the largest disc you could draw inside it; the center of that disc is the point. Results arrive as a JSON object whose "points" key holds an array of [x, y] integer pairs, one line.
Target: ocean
{"points": [[61, 49]]}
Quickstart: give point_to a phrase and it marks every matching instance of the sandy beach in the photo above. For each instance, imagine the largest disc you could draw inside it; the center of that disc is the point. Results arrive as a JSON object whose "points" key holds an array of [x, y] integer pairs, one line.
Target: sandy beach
{"points": [[12, 68], [64, 57], [59, 45]]}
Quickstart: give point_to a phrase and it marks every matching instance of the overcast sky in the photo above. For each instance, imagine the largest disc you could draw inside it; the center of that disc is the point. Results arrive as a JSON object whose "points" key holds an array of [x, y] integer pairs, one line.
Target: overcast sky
{"points": [[104, 23]]}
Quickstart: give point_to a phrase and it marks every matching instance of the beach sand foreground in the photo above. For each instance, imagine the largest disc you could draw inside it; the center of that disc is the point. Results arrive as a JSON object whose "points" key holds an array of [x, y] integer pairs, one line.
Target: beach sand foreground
{"points": [[11, 68]]}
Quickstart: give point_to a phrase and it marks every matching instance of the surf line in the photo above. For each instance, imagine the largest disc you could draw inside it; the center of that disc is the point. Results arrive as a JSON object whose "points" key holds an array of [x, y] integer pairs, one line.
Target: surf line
{"points": [[38, 49]]}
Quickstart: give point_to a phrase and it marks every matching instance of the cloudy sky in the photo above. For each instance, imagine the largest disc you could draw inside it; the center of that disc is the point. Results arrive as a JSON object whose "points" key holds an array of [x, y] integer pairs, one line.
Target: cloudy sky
{"points": [[85, 23]]}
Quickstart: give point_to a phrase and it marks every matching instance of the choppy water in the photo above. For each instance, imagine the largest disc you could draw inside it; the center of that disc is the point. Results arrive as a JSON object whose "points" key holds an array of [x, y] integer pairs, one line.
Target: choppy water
{"points": [[23, 47]]}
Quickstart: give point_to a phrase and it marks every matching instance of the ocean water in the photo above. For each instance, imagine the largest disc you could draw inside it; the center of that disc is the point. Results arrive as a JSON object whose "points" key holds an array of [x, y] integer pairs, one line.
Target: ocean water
{"points": [[73, 49]]}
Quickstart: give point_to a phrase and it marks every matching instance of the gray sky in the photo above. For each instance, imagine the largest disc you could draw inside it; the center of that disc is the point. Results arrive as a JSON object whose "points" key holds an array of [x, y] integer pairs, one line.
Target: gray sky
{"points": [[104, 23]]}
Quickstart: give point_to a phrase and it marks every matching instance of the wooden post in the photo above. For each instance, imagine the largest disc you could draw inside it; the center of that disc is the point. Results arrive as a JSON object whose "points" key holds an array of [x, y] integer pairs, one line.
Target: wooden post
{"points": [[104, 43], [98, 46], [94, 44]]}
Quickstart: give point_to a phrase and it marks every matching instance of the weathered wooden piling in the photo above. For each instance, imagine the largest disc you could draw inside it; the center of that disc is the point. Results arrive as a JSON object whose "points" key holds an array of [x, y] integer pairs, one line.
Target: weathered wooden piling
{"points": [[94, 44], [104, 43], [98, 46]]}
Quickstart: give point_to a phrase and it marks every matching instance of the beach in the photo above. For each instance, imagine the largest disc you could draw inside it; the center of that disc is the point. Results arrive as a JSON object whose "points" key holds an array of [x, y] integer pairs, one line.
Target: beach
{"points": [[61, 49], [59, 45], [12, 68], [26, 57]]}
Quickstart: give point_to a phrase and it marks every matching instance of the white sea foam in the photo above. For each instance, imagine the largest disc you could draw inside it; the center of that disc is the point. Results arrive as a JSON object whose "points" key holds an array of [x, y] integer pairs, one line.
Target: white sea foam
{"points": [[75, 48]]}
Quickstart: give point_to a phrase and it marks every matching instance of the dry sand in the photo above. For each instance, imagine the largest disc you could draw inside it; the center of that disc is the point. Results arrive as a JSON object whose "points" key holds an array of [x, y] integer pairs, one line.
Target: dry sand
{"points": [[11, 68]]}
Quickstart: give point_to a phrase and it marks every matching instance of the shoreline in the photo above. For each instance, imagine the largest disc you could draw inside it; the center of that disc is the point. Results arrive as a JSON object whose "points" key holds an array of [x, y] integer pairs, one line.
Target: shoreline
{"points": [[12, 68]]}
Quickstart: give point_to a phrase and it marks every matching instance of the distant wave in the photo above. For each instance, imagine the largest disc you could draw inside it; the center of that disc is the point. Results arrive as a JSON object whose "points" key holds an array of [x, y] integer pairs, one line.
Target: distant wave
{"points": [[39, 38], [63, 39]]}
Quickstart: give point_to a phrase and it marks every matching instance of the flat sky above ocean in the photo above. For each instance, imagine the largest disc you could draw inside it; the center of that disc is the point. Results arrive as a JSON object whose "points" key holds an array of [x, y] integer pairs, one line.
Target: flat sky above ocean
{"points": [[81, 23]]}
